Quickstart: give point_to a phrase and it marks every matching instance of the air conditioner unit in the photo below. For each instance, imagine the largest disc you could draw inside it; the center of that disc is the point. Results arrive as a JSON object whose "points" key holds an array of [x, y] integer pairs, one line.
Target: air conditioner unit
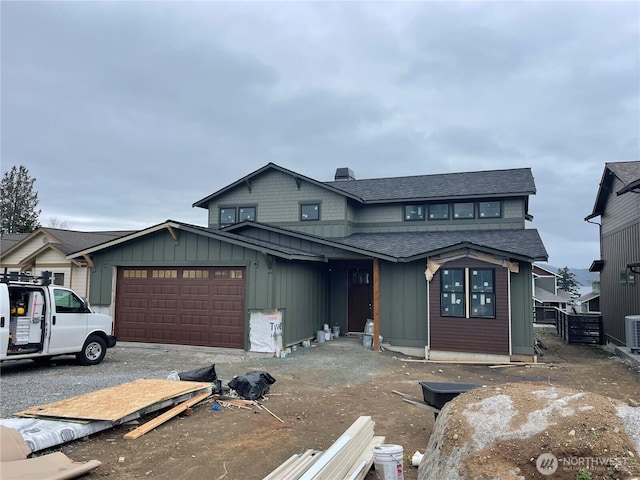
{"points": [[632, 326]]}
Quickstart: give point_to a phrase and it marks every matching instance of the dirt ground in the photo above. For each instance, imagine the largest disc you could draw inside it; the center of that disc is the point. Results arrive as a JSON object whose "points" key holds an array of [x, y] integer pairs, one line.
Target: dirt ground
{"points": [[319, 392]]}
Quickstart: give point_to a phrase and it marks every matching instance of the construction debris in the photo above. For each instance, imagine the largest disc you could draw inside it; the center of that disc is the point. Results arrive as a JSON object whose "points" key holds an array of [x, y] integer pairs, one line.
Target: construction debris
{"points": [[350, 457], [16, 465], [147, 427]]}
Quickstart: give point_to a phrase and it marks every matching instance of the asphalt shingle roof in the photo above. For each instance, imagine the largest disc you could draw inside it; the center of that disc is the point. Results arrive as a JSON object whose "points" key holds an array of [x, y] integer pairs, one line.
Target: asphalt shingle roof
{"points": [[255, 242], [73, 241], [447, 185], [627, 172], [522, 242]]}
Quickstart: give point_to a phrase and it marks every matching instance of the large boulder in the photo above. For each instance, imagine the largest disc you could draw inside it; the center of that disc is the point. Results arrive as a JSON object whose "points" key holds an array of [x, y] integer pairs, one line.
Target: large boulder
{"points": [[533, 430]]}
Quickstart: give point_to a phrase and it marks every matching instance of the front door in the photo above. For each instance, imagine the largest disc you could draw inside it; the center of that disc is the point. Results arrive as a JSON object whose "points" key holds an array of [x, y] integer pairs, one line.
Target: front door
{"points": [[360, 297]]}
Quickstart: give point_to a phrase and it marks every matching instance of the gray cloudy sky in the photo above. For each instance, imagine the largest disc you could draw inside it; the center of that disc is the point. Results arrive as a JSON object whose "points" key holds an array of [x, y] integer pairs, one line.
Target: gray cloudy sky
{"points": [[128, 112]]}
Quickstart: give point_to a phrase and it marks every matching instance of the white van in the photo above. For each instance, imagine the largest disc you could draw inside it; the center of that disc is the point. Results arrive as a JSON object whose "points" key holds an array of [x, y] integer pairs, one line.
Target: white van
{"points": [[39, 321]]}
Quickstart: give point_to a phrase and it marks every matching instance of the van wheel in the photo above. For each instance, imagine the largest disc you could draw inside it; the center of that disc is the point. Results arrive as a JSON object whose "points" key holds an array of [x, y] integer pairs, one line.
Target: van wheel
{"points": [[93, 351]]}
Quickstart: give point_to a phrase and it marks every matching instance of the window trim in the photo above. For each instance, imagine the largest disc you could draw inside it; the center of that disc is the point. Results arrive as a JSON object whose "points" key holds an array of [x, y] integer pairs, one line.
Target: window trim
{"points": [[235, 216], [421, 212], [499, 202], [310, 204], [473, 205], [255, 213], [445, 204]]}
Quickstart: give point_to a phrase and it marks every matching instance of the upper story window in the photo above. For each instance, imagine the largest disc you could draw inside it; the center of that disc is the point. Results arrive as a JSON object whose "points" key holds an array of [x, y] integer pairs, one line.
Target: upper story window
{"points": [[413, 212], [463, 210], [439, 211], [227, 216], [310, 211], [490, 209], [246, 213]]}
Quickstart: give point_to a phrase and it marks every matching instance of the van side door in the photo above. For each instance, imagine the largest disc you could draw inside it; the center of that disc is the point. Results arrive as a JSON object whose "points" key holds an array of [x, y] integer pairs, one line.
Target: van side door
{"points": [[68, 321]]}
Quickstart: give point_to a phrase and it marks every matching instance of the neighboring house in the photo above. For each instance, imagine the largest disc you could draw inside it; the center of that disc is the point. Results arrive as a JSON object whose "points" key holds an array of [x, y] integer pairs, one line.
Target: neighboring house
{"points": [[440, 262], [546, 292], [618, 206], [590, 302], [47, 249]]}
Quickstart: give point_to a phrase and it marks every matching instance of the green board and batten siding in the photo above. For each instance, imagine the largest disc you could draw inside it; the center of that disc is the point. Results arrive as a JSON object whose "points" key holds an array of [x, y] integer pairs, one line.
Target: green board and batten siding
{"points": [[300, 286]]}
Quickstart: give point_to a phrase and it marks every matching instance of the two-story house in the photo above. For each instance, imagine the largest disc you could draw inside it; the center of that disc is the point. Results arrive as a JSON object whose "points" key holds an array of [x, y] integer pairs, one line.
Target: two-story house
{"points": [[618, 206], [440, 262]]}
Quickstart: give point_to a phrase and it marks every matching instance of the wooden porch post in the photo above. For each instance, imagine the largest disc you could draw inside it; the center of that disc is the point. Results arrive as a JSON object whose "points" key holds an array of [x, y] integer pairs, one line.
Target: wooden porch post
{"points": [[376, 305]]}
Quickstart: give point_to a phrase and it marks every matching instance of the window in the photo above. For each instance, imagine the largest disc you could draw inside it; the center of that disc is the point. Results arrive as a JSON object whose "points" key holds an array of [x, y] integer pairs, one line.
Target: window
{"points": [[58, 279], [490, 209], [195, 274], [310, 211], [164, 274], [627, 276], [134, 274], [246, 213], [463, 210], [413, 212], [68, 302], [227, 216], [482, 284], [472, 286], [452, 295], [228, 273], [439, 211]]}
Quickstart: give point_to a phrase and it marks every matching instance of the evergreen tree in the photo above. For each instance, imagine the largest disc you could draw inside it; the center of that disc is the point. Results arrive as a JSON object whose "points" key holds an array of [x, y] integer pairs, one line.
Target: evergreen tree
{"points": [[18, 202], [568, 282]]}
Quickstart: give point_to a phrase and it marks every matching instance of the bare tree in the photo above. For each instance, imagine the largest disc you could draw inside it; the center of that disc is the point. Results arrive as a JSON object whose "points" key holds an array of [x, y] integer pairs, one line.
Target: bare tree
{"points": [[55, 222], [18, 202]]}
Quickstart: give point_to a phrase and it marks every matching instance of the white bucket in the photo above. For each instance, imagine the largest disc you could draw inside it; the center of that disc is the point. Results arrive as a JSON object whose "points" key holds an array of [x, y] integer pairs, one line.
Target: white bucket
{"points": [[320, 336], [388, 462]]}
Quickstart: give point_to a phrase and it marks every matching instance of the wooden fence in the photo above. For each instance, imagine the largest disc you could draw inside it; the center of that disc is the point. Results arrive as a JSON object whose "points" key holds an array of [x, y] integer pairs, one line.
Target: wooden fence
{"points": [[574, 328]]}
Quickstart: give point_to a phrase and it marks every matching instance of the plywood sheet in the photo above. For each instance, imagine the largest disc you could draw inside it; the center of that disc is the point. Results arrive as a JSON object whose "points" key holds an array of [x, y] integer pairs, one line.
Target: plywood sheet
{"points": [[116, 402]]}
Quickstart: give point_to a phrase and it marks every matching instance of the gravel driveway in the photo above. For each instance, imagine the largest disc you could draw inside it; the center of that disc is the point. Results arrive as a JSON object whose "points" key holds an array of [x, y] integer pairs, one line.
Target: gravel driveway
{"points": [[25, 383]]}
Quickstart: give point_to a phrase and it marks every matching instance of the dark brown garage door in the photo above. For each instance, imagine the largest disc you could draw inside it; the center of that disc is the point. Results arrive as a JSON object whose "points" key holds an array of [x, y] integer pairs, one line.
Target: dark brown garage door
{"points": [[187, 306]]}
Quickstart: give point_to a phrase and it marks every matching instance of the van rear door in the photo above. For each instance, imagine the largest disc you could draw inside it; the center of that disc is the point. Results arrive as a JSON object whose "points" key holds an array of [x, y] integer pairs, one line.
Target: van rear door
{"points": [[5, 312]]}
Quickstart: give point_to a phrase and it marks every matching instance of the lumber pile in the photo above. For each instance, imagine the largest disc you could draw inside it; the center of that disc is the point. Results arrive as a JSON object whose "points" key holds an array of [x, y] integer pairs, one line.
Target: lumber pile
{"points": [[350, 457]]}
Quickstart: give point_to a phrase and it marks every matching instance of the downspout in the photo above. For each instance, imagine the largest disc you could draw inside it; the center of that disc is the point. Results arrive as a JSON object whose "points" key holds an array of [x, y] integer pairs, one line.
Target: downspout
{"points": [[376, 305]]}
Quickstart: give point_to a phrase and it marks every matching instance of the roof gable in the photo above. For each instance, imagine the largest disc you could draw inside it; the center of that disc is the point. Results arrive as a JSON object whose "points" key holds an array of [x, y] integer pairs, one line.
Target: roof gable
{"points": [[246, 181], [65, 241], [628, 173]]}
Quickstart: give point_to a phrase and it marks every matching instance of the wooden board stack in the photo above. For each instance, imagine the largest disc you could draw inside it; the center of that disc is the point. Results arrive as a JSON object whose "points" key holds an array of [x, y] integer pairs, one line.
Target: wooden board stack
{"points": [[350, 457]]}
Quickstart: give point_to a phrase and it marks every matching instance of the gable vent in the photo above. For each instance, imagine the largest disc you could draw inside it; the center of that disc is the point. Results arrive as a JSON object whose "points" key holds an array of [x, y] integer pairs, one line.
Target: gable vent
{"points": [[344, 174]]}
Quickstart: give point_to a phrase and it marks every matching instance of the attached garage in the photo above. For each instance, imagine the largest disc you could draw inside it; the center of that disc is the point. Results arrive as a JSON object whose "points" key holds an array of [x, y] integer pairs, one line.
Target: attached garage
{"points": [[181, 305]]}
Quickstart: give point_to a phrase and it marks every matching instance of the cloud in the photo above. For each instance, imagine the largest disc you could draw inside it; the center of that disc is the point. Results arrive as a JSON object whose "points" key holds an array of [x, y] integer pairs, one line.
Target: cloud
{"points": [[128, 112]]}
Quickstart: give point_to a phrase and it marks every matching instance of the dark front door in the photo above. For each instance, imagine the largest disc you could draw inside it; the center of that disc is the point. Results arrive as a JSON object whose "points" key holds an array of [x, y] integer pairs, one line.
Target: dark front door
{"points": [[360, 297]]}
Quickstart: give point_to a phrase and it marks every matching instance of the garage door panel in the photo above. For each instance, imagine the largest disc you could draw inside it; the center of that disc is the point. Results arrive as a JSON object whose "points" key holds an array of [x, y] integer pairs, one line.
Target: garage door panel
{"points": [[196, 290], [163, 303], [181, 306]]}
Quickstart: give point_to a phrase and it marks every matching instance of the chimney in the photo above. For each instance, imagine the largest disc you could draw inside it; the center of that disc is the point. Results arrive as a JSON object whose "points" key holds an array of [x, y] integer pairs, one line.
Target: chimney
{"points": [[344, 174]]}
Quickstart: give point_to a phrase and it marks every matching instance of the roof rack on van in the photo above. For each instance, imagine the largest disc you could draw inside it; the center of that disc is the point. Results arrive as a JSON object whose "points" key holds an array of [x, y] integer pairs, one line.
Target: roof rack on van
{"points": [[44, 279]]}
